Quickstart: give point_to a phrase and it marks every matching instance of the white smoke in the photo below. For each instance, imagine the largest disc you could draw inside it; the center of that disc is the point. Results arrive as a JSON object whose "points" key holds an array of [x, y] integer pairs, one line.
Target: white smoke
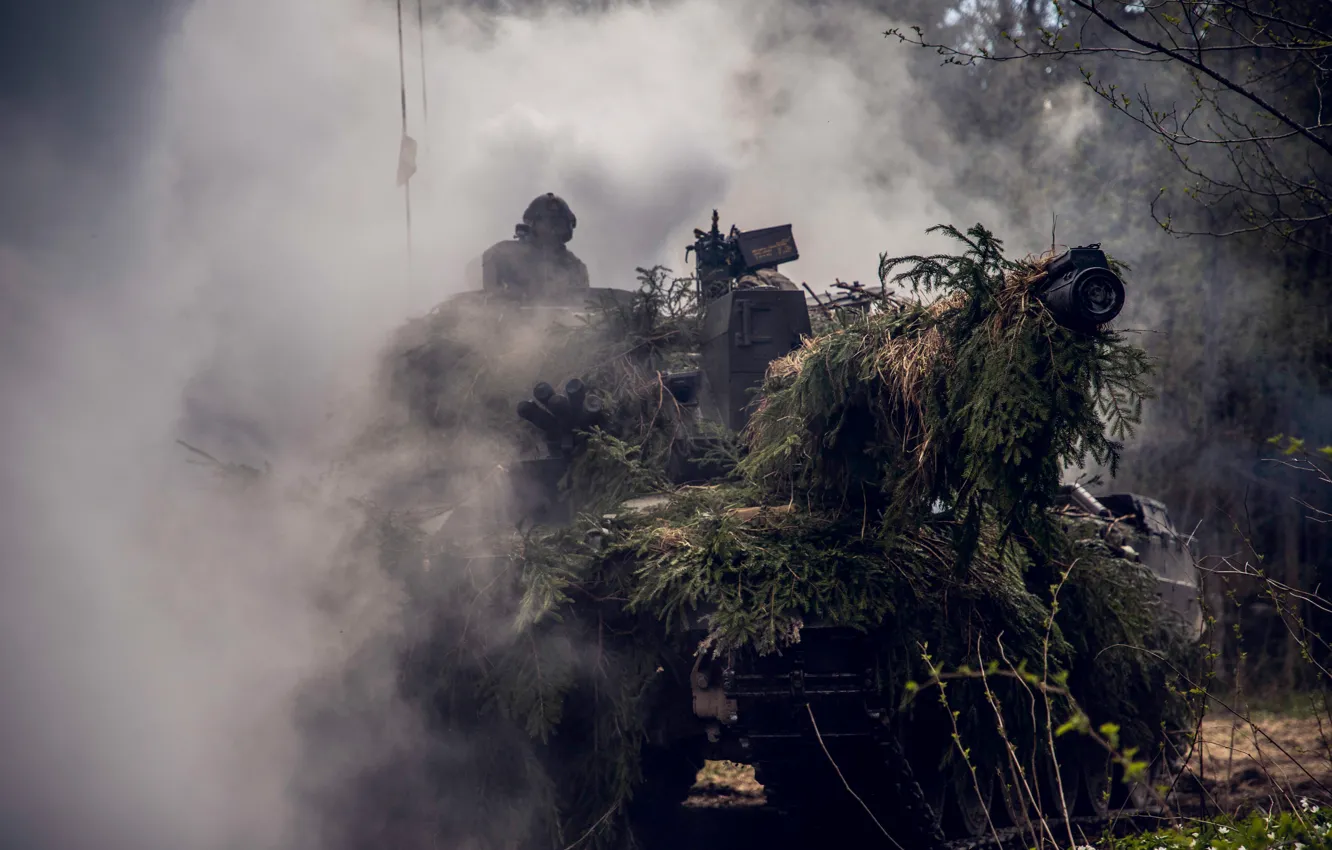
{"points": [[155, 634]]}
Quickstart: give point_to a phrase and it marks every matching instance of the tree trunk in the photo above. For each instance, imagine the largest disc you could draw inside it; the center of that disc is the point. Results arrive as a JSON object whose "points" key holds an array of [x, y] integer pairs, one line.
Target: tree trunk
{"points": [[1294, 523]]}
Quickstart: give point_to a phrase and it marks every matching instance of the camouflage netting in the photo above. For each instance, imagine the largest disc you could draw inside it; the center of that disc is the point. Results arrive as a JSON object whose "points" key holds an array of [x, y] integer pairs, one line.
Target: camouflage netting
{"points": [[898, 478]]}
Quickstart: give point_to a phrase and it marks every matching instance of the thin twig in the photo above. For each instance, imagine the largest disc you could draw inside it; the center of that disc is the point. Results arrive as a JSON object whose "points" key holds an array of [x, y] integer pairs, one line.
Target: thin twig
{"points": [[849, 789]]}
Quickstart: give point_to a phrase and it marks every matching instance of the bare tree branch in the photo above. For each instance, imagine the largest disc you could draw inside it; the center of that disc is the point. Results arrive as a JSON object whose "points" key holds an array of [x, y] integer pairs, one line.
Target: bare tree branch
{"points": [[1255, 115]]}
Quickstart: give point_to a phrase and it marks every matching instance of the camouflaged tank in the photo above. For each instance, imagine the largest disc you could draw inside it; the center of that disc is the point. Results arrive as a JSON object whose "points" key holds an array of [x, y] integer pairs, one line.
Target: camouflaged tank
{"points": [[827, 736]]}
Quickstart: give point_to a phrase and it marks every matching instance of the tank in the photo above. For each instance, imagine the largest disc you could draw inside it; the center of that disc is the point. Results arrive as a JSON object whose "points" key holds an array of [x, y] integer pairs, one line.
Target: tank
{"points": [[838, 733]]}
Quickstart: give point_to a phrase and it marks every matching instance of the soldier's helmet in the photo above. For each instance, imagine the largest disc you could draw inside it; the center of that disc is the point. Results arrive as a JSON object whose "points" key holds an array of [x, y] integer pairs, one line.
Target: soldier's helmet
{"points": [[551, 213]]}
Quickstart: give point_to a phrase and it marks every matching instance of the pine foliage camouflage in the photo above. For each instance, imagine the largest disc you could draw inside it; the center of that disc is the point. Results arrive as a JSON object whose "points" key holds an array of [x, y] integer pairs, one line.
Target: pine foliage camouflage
{"points": [[898, 478]]}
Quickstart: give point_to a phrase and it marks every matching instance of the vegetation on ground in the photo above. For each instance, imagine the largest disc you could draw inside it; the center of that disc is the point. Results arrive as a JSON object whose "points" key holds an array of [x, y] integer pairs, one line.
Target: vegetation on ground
{"points": [[1307, 826]]}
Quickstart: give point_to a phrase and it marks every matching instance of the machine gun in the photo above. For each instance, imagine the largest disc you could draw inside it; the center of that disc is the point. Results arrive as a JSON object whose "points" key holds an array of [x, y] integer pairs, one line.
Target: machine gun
{"points": [[743, 329], [1081, 290], [719, 259]]}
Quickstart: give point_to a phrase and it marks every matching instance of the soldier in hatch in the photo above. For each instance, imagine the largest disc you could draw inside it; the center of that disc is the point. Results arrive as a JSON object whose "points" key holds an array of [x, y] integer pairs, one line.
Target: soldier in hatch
{"points": [[535, 262]]}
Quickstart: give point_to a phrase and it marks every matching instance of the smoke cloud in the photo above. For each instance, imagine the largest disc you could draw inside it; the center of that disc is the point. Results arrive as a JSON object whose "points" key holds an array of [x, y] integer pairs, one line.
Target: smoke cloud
{"points": [[228, 278]]}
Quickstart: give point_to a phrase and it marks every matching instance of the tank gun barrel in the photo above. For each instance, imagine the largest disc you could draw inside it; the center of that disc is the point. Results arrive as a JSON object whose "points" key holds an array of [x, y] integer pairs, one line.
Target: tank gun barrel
{"points": [[1081, 291]]}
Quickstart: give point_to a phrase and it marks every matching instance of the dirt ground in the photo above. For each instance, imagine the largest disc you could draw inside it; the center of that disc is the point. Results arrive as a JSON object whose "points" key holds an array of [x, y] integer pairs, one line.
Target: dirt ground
{"points": [[1273, 761], [726, 784]]}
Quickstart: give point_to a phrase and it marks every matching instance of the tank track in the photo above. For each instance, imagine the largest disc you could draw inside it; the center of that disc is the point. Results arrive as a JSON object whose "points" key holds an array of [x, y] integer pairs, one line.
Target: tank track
{"points": [[901, 806], [919, 815], [1085, 829], [810, 792]]}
